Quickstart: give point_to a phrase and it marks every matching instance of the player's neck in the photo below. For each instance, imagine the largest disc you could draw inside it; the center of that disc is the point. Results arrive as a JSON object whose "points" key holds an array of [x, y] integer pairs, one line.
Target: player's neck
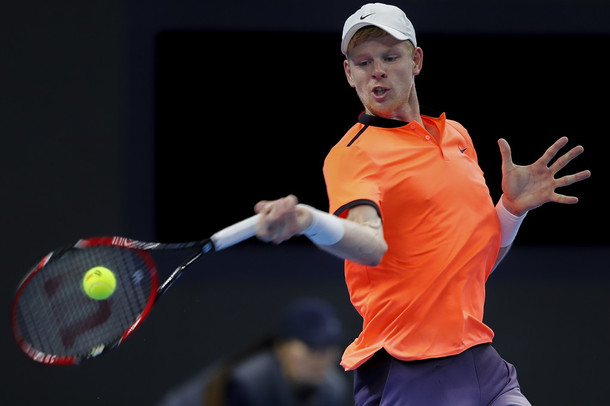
{"points": [[410, 111], [407, 114]]}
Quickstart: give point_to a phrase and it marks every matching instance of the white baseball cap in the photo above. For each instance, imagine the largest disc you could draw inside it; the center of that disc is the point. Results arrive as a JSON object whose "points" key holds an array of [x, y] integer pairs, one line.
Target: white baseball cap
{"points": [[391, 19]]}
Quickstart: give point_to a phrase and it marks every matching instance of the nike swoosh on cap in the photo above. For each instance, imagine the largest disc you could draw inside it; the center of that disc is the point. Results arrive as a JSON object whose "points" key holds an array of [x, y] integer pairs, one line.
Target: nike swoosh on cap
{"points": [[368, 15]]}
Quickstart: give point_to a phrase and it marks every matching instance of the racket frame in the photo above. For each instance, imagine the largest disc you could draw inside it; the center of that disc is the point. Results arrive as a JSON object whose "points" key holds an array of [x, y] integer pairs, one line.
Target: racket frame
{"points": [[220, 240]]}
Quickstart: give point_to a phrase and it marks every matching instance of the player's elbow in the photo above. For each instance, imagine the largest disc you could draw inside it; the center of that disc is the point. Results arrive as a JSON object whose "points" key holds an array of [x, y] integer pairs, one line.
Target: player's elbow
{"points": [[374, 256]]}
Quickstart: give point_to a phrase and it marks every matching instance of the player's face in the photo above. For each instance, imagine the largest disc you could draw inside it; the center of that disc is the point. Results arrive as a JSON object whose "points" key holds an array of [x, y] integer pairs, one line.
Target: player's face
{"points": [[382, 71]]}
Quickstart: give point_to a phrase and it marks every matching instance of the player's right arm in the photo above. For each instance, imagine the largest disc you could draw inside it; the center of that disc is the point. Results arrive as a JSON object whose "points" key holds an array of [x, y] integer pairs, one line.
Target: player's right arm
{"points": [[358, 238], [363, 241]]}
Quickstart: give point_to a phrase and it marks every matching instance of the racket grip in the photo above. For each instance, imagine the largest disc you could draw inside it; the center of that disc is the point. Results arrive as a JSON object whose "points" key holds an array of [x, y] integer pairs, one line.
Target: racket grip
{"points": [[236, 233]]}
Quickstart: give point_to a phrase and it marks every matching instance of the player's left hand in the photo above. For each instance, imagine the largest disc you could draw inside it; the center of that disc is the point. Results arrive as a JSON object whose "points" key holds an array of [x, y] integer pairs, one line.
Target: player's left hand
{"points": [[528, 187]]}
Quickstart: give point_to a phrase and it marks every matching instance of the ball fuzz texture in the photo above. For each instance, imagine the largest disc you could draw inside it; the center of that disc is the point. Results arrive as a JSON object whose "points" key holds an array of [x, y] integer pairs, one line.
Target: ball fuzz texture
{"points": [[99, 283]]}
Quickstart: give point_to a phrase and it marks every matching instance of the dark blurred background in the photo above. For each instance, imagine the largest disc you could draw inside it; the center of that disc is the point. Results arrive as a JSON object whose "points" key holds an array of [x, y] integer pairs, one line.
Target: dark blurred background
{"points": [[167, 120]]}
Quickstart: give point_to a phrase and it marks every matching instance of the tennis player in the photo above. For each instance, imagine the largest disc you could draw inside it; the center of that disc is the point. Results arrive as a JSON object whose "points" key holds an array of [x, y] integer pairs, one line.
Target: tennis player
{"points": [[413, 217]]}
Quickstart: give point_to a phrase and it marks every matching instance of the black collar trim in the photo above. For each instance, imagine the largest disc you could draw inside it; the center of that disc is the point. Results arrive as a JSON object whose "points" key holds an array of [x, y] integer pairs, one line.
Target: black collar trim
{"points": [[380, 121]]}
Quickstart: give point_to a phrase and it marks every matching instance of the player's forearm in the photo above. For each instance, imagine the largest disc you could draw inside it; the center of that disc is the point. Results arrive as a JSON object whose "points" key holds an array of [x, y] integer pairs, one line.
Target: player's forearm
{"points": [[509, 225], [360, 244], [358, 238]]}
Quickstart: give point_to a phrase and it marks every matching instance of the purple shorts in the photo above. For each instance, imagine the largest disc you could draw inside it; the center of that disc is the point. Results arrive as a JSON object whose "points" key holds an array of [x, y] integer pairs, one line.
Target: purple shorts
{"points": [[477, 376]]}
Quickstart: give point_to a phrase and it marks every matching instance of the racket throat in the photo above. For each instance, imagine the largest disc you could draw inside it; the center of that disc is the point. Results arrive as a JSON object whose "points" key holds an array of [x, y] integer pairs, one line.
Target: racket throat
{"points": [[178, 272]]}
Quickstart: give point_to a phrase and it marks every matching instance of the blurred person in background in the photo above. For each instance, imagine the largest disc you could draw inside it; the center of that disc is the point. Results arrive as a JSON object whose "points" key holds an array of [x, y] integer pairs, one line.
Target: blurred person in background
{"points": [[296, 366]]}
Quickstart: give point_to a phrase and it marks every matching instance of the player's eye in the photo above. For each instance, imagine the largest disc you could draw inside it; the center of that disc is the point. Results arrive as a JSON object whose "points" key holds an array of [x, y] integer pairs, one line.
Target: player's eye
{"points": [[391, 58]]}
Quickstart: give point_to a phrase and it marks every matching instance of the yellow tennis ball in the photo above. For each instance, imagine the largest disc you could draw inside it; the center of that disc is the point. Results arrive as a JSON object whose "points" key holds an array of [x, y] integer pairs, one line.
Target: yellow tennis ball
{"points": [[99, 283]]}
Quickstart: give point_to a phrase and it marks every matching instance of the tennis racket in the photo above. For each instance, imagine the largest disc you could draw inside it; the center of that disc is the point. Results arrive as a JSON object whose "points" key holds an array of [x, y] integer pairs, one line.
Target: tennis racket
{"points": [[55, 322]]}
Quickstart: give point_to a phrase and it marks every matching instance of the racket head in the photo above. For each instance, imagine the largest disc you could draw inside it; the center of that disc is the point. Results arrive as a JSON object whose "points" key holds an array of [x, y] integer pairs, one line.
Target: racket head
{"points": [[55, 322]]}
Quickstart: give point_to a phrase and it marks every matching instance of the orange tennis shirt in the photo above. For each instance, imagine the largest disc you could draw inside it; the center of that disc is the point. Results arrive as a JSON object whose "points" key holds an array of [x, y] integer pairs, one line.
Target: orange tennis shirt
{"points": [[426, 297]]}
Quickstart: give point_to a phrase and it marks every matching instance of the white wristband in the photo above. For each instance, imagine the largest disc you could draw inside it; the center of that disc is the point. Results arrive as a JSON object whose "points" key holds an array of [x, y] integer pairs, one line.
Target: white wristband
{"points": [[325, 229], [509, 224]]}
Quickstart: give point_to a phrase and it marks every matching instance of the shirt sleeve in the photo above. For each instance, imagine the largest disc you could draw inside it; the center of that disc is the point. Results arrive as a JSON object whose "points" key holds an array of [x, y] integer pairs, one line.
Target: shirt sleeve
{"points": [[351, 179]]}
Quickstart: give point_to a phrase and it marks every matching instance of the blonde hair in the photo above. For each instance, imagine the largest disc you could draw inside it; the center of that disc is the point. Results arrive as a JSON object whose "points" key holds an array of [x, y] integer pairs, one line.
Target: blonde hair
{"points": [[369, 32]]}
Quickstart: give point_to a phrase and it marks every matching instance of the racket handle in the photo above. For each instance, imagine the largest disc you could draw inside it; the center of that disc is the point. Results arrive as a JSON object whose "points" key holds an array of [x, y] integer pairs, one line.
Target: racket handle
{"points": [[236, 233]]}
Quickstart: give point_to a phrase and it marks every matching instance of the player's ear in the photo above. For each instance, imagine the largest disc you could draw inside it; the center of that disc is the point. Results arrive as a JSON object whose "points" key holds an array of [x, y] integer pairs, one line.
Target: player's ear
{"points": [[418, 60], [348, 73]]}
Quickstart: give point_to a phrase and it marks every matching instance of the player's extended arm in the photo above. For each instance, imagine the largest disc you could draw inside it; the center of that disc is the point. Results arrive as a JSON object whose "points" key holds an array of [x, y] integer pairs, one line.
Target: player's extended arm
{"points": [[358, 238]]}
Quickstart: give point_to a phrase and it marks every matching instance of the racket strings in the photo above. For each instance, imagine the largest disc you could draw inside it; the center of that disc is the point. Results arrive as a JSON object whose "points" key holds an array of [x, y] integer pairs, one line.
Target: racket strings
{"points": [[55, 316]]}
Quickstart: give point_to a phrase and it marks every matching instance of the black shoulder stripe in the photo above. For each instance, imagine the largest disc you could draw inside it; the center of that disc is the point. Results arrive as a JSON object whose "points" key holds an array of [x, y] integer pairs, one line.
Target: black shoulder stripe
{"points": [[357, 135]]}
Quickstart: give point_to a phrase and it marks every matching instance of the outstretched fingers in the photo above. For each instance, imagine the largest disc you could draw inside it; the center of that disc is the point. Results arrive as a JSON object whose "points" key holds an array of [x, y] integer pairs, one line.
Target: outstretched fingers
{"points": [[566, 181], [530, 186], [552, 151], [570, 179], [563, 199], [565, 159]]}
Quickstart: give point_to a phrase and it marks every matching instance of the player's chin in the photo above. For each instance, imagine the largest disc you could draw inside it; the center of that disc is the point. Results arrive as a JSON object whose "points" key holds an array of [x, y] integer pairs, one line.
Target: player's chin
{"points": [[382, 108]]}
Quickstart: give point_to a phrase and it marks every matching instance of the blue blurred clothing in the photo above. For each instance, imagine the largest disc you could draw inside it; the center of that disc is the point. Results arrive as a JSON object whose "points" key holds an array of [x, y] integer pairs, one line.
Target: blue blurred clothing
{"points": [[258, 381]]}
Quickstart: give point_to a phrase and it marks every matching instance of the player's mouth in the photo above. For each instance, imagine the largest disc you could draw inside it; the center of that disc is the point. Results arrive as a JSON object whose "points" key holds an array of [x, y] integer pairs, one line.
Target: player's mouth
{"points": [[380, 92]]}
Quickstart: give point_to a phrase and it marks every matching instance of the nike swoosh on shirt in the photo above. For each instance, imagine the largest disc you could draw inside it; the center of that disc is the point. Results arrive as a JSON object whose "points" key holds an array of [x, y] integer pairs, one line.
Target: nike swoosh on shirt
{"points": [[363, 17], [462, 150]]}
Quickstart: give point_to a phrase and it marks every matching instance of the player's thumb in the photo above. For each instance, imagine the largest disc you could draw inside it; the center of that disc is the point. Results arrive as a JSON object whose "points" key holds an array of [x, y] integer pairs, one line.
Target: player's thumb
{"points": [[507, 158]]}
